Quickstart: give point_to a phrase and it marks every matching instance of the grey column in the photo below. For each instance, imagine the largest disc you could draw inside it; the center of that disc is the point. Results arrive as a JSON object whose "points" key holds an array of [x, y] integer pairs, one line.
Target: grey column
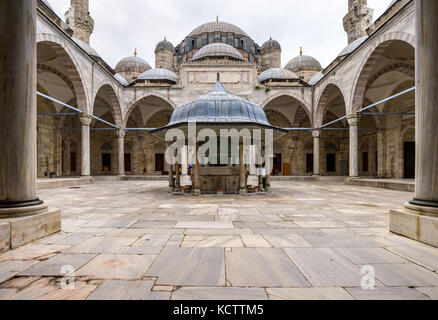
{"points": [[18, 143], [85, 156], [426, 182], [242, 178], [316, 152], [177, 177], [354, 148], [196, 176], [121, 152]]}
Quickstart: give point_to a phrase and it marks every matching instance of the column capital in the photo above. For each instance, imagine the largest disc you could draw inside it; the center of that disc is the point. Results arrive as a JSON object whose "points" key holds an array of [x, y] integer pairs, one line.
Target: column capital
{"points": [[85, 119], [353, 119], [121, 133], [316, 133]]}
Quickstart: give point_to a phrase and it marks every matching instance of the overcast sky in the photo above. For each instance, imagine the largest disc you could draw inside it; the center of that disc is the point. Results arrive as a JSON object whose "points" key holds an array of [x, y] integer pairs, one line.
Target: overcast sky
{"points": [[122, 26]]}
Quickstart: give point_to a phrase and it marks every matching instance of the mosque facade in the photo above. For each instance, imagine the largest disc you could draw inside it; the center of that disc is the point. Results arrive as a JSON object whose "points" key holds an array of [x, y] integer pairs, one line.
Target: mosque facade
{"points": [[298, 95]]}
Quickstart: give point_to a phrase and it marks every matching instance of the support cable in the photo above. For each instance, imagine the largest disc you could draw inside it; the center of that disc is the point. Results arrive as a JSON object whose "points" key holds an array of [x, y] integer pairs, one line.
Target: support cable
{"points": [[75, 109]]}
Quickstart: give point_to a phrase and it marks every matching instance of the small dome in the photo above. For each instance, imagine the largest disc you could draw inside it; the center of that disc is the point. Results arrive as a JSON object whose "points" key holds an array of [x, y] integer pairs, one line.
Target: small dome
{"points": [[277, 74], [165, 45], [121, 79], [271, 44], [219, 107], [217, 26], [133, 64], [158, 74], [303, 63], [216, 50], [86, 47], [352, 46], [316, 78]]}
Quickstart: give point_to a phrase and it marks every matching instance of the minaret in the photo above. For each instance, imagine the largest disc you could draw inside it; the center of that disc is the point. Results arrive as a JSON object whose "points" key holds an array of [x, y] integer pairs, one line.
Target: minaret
{"points": [[79, 20], [358, 19]]}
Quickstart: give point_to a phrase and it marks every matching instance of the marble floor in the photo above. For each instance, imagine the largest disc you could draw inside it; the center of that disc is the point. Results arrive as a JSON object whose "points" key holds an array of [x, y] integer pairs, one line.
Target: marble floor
{"points": [[305, 240]]}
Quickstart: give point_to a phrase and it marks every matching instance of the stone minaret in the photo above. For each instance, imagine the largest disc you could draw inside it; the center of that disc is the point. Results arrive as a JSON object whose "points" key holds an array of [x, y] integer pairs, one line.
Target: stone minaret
{"points": [[358, 19], [79, 20]]}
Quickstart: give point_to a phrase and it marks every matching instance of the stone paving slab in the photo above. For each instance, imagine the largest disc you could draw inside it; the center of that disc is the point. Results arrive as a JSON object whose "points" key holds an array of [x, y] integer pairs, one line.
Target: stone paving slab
{"points": [[215, 293], [127, 290], [387, 294], [117, 267], [54, 266], [305, 240], [189, 267], [325, 267], [308, 294], [263, 267]]}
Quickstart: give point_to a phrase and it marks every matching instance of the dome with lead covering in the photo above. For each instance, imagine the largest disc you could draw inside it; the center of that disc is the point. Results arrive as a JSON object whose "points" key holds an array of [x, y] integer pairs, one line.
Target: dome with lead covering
{"points": [[121, 79], [217, 50], [217, 26], [303, 63], [315, 79], [132, 64], [158, 74], [352, 46], [271, 44], [86, 47], [219, 106], [165, 45], [277, 74]]}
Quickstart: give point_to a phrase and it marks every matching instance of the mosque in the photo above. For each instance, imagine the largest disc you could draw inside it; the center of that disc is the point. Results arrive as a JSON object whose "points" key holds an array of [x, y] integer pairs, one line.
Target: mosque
{"points": [[94, 119]]}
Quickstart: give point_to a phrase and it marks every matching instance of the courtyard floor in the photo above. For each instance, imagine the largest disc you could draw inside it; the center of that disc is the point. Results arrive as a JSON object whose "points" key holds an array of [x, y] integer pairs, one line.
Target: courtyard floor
{"points": [[305, 240]]}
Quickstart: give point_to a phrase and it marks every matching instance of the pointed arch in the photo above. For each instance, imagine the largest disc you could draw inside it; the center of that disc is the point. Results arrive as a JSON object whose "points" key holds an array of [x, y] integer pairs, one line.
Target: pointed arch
{"points": [[72, 67]]}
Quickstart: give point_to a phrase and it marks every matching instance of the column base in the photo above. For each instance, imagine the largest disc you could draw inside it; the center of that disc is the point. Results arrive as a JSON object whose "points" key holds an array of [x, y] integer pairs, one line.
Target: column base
{"points": [[19, 226], [196, 192], [20, 204], [424, 203], [419, 223], [243, 192], [172, 189]]}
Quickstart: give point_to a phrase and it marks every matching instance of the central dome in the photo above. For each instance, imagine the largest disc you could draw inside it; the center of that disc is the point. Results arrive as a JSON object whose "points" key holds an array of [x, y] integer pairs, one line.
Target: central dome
{"points": [[219, 107], [217, 50], [217, 26]]}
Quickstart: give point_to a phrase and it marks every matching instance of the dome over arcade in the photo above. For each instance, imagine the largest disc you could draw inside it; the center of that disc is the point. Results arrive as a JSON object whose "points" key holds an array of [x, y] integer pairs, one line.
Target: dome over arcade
{"points": [[303, 63], [217, 50], [132, 64], [158, 74], [271, 44], [352, 46], [121, 79], [315, 79], [86, 47], [219, 106], [217, 26], [277, 74], [165, 45]]}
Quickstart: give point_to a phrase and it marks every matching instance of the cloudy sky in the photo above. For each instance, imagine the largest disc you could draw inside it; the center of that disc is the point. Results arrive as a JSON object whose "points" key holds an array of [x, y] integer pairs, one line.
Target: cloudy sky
{"points": [[121, 26]]}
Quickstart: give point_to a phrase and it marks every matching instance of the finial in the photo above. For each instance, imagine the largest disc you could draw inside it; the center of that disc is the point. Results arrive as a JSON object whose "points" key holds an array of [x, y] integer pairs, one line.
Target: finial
{"points": [[301, 51], [135, 52], [217, 18], [218, 77], [165, 38], [270, 37]]}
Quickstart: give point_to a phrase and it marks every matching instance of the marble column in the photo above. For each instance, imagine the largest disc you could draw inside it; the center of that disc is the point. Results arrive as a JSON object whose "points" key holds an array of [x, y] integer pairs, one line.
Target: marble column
{"points": [[85, 156], [242, 179], [426, 182], [353, 121], [18, 123], [196, 176], [419, 219], [23, 217], [171, 178], [316, 152], [121, 152], [260, 173], [177, 177]]}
